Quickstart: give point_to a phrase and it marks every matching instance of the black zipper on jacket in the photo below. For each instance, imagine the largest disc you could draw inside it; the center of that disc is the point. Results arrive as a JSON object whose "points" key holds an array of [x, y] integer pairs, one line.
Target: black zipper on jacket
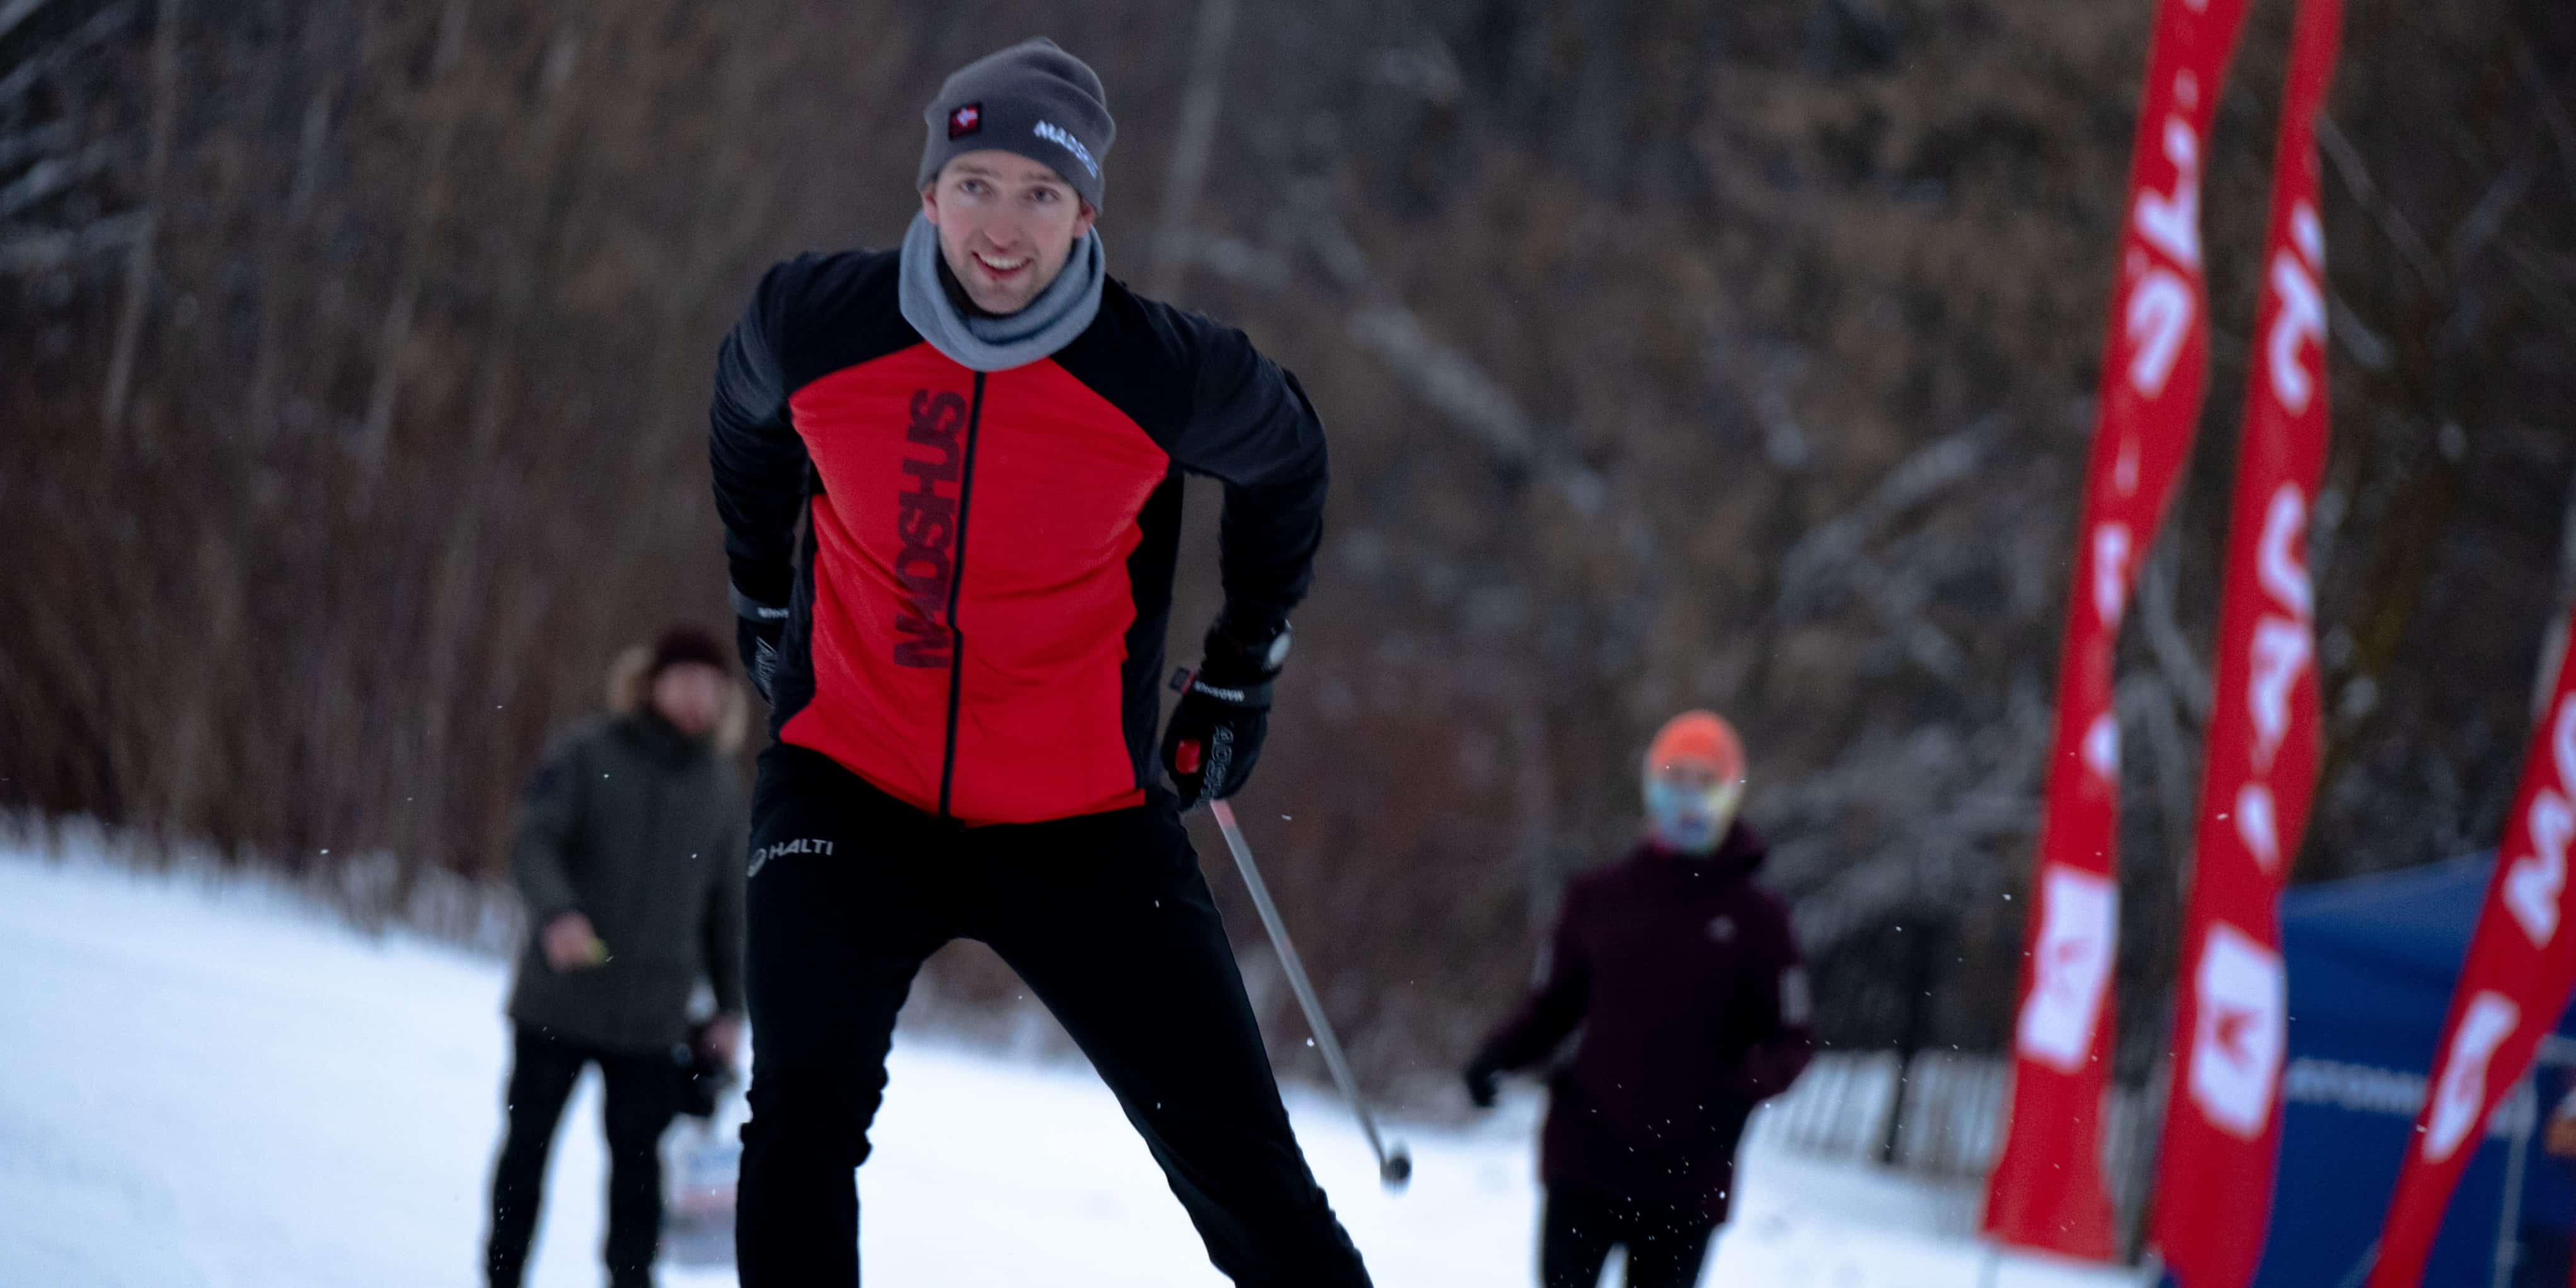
{"points": [[957, 584]]}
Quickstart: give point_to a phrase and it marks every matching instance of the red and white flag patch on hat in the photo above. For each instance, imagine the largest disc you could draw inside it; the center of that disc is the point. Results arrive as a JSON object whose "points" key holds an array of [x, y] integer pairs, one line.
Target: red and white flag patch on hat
{"points": [[965, 120]]}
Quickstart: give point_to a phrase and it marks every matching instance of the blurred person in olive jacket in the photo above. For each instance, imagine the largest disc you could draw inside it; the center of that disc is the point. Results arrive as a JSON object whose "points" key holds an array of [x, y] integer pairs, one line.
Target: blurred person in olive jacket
{"points": [[1686, 984], [629, 852]]}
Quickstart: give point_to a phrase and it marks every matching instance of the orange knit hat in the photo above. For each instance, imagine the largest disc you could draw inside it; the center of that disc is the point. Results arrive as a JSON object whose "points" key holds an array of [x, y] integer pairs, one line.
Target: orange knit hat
{"points": [[1701, 738]]}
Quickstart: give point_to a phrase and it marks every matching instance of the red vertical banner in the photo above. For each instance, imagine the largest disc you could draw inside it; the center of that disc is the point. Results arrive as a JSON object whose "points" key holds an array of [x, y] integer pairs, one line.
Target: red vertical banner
{"points": [[2047, 1189], [2514, 986], [2231, 1027]]}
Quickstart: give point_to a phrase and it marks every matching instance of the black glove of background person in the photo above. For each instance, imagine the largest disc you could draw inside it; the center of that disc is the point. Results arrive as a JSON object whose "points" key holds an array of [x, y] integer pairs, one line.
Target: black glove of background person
{"points": [[1216, 730], [758, 631], [1483, 1084]]}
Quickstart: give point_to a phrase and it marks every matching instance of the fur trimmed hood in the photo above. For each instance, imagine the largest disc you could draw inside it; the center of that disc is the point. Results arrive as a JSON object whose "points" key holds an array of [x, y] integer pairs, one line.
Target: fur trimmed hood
{"points": [[626, 694]]}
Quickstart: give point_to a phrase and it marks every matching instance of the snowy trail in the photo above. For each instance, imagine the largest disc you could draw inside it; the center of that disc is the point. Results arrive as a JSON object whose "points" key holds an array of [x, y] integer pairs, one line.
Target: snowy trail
{"points": [[215, 1087]]}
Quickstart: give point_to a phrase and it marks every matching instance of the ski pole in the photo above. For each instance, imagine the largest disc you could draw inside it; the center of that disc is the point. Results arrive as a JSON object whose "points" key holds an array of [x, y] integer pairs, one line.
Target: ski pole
{"points": [[1394, 1166]]}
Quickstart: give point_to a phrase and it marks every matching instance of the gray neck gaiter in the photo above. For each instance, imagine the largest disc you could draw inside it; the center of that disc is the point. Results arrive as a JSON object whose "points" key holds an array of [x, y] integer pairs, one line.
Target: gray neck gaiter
{"points": [[1050, 322]]}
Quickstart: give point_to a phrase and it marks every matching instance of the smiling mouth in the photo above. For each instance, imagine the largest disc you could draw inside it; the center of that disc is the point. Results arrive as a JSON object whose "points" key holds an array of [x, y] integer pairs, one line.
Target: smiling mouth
{"points": [[1002, 268]]}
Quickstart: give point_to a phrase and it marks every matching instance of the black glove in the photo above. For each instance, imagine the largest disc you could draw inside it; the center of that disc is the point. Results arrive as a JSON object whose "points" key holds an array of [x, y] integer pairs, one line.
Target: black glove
{"points": [[758, 631], [1224, 712], [1483, 1084]]}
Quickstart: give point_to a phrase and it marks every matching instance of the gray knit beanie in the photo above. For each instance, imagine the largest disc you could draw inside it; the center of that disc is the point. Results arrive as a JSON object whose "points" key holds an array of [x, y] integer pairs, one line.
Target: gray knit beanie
{"points": [[1033, 99]]}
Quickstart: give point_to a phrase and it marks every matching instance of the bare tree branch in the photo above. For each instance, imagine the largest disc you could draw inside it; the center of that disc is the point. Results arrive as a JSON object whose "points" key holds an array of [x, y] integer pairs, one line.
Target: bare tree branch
{"points": [[1191, 142], [35, 67], [2553, 110], [2392, 224], [1454, 385], [35, 141], [2553, 646], [156, 169], [1448, 380], [53, 175], [2146, 703], [267, 353], [1829, 548], [2480, 225], [42, 250], [395, 335], [1952, 810], [1899, 597], [1832, 555], [2185, 677], [2360, 343], [15, 12]]}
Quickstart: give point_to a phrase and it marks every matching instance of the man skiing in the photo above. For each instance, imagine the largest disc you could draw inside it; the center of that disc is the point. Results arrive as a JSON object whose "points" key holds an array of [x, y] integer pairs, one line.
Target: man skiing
{"points": [[626, 853], [984, 436], [1685, 981]]}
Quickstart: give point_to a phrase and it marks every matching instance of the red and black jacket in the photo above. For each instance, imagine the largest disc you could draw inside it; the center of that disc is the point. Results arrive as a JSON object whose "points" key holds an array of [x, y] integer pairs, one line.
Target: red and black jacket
{"points": [[977, 610]]}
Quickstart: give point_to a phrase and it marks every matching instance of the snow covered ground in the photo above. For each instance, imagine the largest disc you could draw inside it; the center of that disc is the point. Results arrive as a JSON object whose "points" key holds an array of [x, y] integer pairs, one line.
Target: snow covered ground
{"points": [[214, 1086]]}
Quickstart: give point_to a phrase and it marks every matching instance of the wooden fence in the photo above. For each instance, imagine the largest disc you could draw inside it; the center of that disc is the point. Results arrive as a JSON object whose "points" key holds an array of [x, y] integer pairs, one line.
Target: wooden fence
{"points": [[1941, 1115]]}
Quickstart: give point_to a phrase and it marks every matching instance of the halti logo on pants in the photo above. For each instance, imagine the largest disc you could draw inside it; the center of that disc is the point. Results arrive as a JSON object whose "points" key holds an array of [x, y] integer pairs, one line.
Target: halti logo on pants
{"points": [[802, 845], [926, 524]]}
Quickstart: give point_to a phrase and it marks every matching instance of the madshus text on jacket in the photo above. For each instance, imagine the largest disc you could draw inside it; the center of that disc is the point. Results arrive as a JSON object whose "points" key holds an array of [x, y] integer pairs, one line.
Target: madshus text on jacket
{"points": [[995, 549]]}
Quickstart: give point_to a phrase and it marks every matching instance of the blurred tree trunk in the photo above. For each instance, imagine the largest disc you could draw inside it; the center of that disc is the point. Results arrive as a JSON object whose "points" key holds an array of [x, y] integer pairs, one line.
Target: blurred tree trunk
{"points": [[447, 104], [138, 264]]}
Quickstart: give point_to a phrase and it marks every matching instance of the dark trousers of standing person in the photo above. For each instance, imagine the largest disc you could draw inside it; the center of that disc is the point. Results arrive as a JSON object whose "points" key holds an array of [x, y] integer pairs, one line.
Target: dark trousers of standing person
{"points": [[1105, 917], [640, 1102], [1665, 1244]]}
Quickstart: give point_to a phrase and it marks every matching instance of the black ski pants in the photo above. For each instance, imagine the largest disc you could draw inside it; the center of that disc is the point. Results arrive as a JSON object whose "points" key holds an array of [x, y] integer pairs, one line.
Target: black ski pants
{"points": [[1665, 1245], [641, 1098], [1108, 921]]}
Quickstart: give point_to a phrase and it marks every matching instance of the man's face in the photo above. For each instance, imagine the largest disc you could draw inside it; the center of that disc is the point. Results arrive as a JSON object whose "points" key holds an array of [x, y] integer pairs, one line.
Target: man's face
{"points": [[1006, 225], [1689, 806], [691, 695]]}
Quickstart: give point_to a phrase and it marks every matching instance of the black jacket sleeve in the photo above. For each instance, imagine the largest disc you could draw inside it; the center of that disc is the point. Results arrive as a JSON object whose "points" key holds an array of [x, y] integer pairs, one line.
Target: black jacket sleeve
{"points": [[1554, 1009], [760, 463], [1782, 1037], [1252, 428]]}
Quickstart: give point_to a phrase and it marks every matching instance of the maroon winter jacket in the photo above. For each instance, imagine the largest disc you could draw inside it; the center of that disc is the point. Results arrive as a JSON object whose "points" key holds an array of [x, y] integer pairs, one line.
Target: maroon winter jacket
{"points": [[1686, 983]]}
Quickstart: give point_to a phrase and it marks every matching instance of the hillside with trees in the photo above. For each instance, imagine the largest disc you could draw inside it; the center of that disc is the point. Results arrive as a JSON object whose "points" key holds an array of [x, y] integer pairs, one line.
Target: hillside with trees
{"points": [[1673, 354]]}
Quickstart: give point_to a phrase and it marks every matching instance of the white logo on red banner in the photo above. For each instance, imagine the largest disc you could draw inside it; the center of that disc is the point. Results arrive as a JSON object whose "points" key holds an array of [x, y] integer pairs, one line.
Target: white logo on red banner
{"points": [[2535, 883], [2258, 825], [2071, 967], [2046, 1189], [2165, 304], [2242, 1026], [2520, 967], [2111, 545], [2302, 319], [2461, 1098], [2102, 748], [2216, 1159], [2172, 223], [2277, 563]]}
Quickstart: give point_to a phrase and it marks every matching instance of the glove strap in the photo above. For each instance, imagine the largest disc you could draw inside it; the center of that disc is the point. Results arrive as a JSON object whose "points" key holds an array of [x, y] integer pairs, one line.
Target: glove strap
{"points": [[745, 606], [1241, 695], [1186, 680]]}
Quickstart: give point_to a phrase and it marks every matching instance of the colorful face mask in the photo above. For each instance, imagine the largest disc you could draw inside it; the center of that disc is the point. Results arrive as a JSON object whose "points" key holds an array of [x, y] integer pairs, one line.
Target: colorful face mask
{"points": [[1694, 780], [1690, 810]]}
